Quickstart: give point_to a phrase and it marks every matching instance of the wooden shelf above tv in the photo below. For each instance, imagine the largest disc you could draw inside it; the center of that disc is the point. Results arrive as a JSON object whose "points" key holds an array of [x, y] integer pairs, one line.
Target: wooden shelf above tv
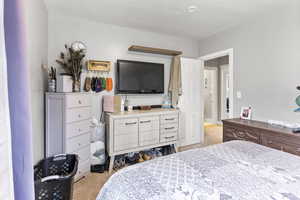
{"points": [[154, 50]]}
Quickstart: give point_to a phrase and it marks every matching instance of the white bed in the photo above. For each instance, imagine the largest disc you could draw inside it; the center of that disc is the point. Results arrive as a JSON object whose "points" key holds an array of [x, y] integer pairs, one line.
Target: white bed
{"points": [[233, 170]]}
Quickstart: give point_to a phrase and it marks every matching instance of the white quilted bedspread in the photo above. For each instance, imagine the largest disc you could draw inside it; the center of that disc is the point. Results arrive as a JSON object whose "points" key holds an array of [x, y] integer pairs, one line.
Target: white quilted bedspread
{"points": [[234, 170]]}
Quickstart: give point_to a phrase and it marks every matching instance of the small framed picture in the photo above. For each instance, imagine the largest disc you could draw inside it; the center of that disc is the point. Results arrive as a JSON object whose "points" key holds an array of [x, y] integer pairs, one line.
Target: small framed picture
{"points": [[95, 65], [246, 112]]}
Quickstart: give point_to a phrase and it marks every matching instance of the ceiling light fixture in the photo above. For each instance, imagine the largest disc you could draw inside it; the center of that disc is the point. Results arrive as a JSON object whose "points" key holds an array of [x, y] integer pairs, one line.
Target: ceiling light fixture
{"points": [[192, 9]]}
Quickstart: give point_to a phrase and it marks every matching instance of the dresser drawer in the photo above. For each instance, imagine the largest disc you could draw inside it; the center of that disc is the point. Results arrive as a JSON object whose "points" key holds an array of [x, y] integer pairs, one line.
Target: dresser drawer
{"points": [[281, 143], [272, 142], [228, 133], [148, 123], [168, 137], [83, 154], [74, 101], [123, 142], [149, 137], [170, 127], [76, 143], [83, 168], [126, 126], [291, 148], [78, 114], [233, 133], [171, 118], [77, 128]]}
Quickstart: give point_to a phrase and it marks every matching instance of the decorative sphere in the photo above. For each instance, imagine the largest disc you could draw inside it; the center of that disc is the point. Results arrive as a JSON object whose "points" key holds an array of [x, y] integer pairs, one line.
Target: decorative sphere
{"points": [[298, 100]]}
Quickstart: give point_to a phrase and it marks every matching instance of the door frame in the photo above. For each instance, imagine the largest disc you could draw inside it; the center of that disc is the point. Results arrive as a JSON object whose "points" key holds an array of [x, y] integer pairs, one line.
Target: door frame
{"points": [[223, 84], [227, 52]]}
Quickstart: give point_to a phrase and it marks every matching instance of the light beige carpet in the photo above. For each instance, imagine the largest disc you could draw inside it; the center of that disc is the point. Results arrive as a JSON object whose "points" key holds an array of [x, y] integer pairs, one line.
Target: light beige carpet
{"points": [[88, 187]]}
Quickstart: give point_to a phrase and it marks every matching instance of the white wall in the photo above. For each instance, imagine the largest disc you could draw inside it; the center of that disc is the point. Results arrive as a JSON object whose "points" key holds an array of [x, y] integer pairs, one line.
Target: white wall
{"points": [[266, 63], [111, 42], [37, 53]]}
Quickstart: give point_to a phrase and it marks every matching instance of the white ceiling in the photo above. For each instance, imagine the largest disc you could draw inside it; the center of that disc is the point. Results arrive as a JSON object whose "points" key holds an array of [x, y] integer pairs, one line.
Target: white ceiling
{"points": [[169, 16]]}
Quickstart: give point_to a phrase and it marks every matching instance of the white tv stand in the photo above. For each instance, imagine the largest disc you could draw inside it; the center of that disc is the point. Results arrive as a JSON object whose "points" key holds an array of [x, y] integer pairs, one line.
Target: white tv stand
{"points": [[139, 130]]}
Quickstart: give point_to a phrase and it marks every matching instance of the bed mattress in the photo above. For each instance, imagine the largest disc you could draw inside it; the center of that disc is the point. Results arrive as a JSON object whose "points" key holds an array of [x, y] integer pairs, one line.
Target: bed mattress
{"points": [[234, 170]]}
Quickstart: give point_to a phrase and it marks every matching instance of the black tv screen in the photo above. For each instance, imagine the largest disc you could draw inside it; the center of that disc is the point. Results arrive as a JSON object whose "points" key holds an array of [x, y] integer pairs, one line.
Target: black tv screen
{"points": [[135, 77]]}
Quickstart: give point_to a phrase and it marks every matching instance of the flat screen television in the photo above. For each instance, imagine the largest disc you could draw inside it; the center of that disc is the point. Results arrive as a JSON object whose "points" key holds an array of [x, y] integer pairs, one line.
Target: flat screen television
{"points": [[133, 77]]}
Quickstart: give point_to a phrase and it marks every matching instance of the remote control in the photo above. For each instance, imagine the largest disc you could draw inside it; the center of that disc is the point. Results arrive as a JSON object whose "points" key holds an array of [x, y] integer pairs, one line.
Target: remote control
{"points": [[296, 130]]}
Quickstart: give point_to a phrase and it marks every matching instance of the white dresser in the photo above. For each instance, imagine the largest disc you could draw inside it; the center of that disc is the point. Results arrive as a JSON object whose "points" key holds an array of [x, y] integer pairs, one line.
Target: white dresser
{"points": [[68, 118], [140, 130]]}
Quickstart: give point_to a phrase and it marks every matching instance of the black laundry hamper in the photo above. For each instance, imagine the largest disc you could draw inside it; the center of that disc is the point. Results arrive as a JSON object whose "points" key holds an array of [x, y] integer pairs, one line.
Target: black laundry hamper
{"points": [[54, 177]]}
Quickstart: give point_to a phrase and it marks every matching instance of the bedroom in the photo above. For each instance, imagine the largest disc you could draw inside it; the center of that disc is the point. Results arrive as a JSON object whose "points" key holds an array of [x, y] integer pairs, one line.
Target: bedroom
{"points": [[261, 37]]}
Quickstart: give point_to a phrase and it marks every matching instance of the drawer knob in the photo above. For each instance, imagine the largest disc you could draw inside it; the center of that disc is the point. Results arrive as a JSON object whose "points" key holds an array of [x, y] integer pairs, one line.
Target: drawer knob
{"points": [[79, 116], [145, 121], [79, 102], [130, 123], [79, 130], [169, 119], [169, 128], [79, 144], [169, 137]]}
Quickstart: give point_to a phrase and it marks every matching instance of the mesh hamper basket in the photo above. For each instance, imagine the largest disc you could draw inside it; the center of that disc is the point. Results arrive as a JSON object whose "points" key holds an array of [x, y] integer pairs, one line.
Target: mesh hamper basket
{"points": [[53, 177]]}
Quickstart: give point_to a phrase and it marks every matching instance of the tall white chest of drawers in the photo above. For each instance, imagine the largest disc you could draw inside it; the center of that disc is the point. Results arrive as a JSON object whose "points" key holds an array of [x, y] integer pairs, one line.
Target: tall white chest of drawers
{"points": [[68, 118], [140, 130]]}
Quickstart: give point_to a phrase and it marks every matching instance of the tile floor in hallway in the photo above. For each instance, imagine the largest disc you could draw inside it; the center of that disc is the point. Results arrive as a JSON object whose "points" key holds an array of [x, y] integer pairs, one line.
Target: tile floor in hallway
{"points": [[89, 187]]}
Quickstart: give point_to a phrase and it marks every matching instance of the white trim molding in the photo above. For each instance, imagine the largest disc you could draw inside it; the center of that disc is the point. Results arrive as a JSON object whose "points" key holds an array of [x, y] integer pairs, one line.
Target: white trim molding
{"points": [[227, 52]]}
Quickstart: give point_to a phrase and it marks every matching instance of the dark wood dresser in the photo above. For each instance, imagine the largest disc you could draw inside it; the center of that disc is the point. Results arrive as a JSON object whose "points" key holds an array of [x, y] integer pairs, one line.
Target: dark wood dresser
{"points": [[262, 133]]}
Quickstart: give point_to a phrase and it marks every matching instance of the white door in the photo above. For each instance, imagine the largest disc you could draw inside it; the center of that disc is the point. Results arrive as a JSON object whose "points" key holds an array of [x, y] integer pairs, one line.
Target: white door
{"points": [[225, 110], [211, 94], [191, 123]]}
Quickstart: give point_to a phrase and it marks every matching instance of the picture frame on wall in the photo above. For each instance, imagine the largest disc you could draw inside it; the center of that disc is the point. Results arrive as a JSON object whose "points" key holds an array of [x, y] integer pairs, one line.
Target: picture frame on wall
{"points": [[96, 65], [246, 113]]}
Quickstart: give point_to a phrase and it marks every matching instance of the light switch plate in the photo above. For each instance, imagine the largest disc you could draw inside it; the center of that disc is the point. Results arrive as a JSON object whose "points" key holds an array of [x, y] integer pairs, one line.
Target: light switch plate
{"points": [[239, 94]]}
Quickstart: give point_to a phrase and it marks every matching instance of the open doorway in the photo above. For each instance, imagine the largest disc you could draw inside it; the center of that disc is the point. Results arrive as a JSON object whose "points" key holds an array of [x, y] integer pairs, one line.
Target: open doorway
{"points": [[217, 97], [216, 90]]}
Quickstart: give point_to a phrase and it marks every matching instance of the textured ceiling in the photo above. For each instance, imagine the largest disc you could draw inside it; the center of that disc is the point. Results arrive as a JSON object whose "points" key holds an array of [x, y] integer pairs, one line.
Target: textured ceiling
{"points": [[170, 16]]}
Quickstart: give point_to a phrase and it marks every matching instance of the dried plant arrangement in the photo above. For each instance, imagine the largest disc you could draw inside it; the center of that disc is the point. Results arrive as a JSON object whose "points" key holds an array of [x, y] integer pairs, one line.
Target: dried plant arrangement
{"points": [[51, 75], [72, 63]]}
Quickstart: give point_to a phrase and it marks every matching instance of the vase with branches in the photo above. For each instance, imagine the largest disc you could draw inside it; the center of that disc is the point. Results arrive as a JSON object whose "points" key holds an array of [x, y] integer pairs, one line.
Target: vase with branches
{"points": [[72, 63]]}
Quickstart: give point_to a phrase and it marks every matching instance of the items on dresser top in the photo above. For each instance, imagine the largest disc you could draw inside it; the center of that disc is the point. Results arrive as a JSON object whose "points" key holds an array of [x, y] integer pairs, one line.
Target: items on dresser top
{"points": [[246, 112], [284, 124], [51, 73], [71, 61], [262, 133], [112, 103], [68, 117], [296, 130], [64, 83], [140, 130]]}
